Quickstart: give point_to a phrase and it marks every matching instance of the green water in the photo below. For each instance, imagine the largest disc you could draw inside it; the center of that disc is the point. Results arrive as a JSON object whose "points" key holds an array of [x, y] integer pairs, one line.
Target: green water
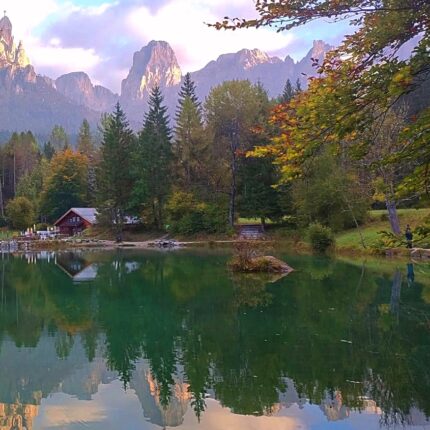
{"points": [[108, 340]]}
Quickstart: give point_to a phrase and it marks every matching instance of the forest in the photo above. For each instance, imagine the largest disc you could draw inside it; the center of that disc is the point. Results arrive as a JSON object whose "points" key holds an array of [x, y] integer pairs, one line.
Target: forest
{"points": [[320, 157]]}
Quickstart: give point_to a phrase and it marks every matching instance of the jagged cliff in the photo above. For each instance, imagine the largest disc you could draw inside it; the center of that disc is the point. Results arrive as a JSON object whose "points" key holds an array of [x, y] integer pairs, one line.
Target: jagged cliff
{"points": [[155, 64], [77, 87], [29, 101], [10, 55]]}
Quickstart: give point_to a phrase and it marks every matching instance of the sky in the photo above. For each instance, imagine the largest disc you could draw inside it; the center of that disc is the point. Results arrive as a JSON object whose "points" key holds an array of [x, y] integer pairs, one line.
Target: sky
{"points": [[99, 37]]}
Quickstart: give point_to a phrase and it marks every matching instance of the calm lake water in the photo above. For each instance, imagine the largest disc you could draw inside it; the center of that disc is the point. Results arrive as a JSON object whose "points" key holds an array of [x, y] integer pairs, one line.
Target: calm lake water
{"points": [[126, 340]]}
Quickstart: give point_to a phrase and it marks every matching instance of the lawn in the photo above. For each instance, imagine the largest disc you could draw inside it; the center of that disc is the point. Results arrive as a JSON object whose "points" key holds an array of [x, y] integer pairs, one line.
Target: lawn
{"points": [[378, 222], [7, 234]]}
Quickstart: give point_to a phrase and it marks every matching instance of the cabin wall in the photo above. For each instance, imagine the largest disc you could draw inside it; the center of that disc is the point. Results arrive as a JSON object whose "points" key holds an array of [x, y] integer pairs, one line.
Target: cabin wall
{"points": [[72, 224]]}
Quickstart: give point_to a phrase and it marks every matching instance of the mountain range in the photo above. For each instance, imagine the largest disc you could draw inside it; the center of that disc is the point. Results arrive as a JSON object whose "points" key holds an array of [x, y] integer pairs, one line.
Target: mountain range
{"points": [[29, 101]]}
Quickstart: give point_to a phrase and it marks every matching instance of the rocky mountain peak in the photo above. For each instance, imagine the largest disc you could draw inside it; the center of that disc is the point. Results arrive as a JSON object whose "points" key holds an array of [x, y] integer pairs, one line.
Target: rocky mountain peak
{"points": [[155, 64], [6, 30], [319, 49], [289, 61], [249, 58], [10, 55], [245, 59], [77, 87]]}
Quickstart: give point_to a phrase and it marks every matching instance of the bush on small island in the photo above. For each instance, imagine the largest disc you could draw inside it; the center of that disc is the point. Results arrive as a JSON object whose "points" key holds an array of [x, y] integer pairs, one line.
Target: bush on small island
{"points": [[249, 257], [321, 237]]}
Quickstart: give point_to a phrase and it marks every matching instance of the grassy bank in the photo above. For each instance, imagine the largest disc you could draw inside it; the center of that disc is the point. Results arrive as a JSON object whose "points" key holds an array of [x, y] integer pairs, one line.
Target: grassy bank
{"points": [[377, 222]]}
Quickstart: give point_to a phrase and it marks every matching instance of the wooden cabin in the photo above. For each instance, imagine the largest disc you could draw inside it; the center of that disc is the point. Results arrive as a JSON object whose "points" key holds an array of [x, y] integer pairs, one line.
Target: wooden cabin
{"points": [[76, 220]]}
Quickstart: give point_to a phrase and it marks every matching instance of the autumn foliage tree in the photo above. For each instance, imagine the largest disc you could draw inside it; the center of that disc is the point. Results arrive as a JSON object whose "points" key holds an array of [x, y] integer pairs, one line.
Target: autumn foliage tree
{"points": [[359, 84], [66, 184]]}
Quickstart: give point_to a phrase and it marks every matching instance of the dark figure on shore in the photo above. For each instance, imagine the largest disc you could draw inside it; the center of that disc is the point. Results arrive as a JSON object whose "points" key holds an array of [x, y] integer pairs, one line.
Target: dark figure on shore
{"points": [[409, 236]]}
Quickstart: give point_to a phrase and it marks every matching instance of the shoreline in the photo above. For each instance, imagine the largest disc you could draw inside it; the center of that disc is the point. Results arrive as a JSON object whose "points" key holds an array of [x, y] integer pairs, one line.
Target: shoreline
{"points": [[395, 254]]}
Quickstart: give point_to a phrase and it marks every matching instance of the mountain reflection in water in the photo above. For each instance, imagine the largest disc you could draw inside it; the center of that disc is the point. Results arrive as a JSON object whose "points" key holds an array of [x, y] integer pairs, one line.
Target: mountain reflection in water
{"points": [[146, 340]]}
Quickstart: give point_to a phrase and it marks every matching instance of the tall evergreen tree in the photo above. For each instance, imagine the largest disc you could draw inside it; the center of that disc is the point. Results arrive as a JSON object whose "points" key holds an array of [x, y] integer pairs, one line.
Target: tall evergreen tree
{"points": [[188, 90], [86, 146], [85, 139], [288, 92], [59, 138], [114, 179], [298, 88], [48, 150], [190, 143], [154, 157]]}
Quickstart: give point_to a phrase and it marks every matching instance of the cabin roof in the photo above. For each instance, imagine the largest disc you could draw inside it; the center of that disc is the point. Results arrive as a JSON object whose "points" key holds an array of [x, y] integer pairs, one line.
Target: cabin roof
{"points": [[88, 214]]}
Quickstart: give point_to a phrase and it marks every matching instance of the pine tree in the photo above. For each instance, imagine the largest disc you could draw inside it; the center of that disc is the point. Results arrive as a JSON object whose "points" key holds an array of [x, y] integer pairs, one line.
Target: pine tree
{"points": [[190, 143], [59, 139], [188, 90], [114, 179], [85, 140], [48, 150], [298, 88], [154, 156], [86, 146], [288, 92]]}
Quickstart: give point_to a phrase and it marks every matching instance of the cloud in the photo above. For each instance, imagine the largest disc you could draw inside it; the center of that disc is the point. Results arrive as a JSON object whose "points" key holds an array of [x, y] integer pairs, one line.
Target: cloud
{"points": [[100, 37]]}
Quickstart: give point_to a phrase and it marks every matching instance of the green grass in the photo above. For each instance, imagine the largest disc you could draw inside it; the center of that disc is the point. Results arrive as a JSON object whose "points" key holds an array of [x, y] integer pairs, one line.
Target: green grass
{"points": [[351, 239], [7, 234]]}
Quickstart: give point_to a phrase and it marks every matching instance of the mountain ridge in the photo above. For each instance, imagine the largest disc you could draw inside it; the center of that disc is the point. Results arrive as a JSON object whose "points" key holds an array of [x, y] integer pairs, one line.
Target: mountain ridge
{"points": [[29, 101]]}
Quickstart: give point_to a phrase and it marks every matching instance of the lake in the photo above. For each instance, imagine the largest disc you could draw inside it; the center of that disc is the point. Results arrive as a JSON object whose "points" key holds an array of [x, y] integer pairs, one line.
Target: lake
{"points": [[149, 340]]}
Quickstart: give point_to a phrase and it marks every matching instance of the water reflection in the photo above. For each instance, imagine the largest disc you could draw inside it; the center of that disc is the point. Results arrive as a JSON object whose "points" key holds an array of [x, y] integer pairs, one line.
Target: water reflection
{"points": [[183, 341]]}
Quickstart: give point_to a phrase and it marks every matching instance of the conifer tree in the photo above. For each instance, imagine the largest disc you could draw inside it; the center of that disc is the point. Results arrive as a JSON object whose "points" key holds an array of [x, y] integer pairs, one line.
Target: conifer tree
{"points": [[188, 90], [190, 143], [298, 88], [59, 138], [48, 150], [114, 179], [86, 147], [154, 157], [288, 92], [85, 139]]}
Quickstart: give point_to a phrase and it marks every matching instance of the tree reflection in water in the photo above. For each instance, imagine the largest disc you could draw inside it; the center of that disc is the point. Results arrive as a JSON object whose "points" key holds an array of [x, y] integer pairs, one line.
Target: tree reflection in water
{"points": [[179, 327]]}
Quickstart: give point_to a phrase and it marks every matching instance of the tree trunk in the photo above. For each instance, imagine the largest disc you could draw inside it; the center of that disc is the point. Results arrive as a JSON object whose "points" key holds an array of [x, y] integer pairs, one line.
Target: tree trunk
{"points": [[1, 199], [234, 146], [263, 222], [350, 208], [14, 174], [393, 217], [160, 214], [232, 209]]}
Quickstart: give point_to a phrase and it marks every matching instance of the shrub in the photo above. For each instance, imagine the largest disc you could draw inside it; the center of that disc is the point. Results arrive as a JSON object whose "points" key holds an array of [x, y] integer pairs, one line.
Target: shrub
{"points": [[329, 194], [321, 237], [188, 216], [43, 226], [383, 217], [3, 222], [20, 213], [245, 255]]}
